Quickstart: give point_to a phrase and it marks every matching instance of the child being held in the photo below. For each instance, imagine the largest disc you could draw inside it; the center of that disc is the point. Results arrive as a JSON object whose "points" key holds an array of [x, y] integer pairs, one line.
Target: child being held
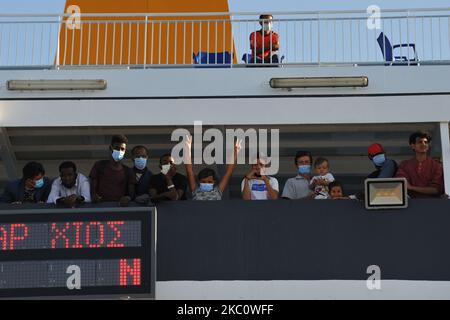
{"points": [[320, 182]]}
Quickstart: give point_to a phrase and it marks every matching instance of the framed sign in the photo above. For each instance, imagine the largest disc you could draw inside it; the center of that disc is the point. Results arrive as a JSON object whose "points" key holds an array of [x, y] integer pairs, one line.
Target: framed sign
{"points": [[107, 252]]}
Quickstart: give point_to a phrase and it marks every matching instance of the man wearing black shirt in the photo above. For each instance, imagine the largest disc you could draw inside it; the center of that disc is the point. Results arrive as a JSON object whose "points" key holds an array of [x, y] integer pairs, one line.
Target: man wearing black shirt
{"points": [[167, 185]]}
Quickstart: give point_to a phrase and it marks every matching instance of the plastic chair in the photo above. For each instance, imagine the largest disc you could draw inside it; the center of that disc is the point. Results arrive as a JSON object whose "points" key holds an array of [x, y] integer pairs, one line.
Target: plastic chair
{"points": [[248, 58], [387, 49], [212, 58]]}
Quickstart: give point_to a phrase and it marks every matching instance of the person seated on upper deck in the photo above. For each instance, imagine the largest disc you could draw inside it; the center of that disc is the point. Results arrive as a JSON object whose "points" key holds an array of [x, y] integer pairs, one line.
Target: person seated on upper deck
{"points": [[207, 187], [110, 179], [70, 188], [264, 43], [298, 187], [424, 174], [139, 156], [385, 168], [33, 187], [168, 185], [257, 185]]}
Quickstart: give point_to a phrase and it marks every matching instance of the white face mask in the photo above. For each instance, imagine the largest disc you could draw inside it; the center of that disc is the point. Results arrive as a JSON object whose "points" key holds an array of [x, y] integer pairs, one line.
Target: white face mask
{"points": [[267, 26], [165, 168]]}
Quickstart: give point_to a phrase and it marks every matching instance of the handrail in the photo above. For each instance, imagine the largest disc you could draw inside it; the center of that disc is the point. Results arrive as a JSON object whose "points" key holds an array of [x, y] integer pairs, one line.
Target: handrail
{"points": [[202, 14], [170, 39]]}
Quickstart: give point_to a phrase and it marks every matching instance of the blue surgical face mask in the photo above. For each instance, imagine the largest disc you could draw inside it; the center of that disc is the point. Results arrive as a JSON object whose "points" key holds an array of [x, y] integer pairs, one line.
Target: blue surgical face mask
{"points": [[39, 183], [206, 187], [379, 160], [118, 155], [304, 169], [140, 163]]}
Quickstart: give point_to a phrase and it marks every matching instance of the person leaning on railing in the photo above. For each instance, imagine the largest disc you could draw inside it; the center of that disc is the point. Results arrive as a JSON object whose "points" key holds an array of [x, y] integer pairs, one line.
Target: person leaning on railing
{"points": [[385, 167], [112, 181], [424, 174], [264, 43], [168, 185], [71, 187], [33, 187], [257, 185], [139, 156], [298, 186]]}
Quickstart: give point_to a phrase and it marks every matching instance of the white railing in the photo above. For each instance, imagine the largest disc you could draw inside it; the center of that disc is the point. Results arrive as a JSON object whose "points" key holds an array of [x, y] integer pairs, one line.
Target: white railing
{"points": [[152, 40]]}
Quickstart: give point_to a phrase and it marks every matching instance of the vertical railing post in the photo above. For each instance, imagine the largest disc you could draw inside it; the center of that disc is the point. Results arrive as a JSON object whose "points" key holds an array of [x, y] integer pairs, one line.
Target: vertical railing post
{"points": [[318, 39], [145, 41], [58, 43], [407, 35]]}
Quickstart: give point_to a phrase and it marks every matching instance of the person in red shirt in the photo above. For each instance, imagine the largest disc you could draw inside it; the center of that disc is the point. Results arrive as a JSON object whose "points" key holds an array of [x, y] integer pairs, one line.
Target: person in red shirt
{"points": [[424, 174], [264, 43], [111, 180]]}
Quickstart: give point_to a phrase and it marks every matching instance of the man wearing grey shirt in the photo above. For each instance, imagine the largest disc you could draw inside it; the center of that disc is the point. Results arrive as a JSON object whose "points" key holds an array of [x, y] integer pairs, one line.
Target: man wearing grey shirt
{"points": [[70, 188], [298, 187]]}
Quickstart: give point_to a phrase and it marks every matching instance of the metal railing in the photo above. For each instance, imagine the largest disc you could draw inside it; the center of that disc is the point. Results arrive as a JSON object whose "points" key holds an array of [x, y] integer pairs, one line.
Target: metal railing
{"points": [[171, 40]]}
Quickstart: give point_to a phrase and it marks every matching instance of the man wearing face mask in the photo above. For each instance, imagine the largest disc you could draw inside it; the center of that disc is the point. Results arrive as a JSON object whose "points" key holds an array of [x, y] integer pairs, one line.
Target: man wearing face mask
{"points": [[298, 187], [169, 185], [264, 43], [139, 156], [257, 185], [385, 168], [112, 181], [33, 187]]}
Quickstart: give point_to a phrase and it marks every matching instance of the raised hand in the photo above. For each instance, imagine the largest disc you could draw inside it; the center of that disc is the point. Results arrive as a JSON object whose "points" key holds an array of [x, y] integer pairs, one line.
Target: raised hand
{"points": [[237, 149], [187, 149], [188, 142]]}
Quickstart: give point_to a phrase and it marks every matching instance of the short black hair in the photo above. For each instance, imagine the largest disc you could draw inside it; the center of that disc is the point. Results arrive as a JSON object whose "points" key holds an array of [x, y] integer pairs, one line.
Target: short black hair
{"points": [[319, 161], [303, 153], [32, 169], [265, 16], [139, 147], [163, 156], [419, 134], [205, 173], [336, 183], [66, 165], [119, 138]]}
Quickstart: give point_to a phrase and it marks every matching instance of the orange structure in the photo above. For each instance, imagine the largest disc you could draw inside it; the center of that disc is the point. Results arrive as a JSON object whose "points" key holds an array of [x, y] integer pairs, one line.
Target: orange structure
{"points": [[103, 40]]}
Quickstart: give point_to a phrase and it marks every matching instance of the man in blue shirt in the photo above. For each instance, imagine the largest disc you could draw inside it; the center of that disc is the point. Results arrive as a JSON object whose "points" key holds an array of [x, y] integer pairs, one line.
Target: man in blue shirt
{"points": [[33, 187], [139, 155], [385, 168]]}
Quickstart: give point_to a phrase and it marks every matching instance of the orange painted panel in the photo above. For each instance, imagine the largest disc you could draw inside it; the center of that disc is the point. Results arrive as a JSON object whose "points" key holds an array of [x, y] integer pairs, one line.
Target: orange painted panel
{"points": [[122, 40]]}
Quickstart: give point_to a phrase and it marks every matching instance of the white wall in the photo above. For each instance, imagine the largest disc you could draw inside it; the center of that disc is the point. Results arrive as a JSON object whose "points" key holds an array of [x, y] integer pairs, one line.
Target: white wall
{"points": [[228, 96], [206, 82], [251, 111]]}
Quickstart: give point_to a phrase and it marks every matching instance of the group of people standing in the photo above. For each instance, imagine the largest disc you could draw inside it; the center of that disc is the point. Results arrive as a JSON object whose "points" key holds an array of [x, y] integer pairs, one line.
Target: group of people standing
{"points": [[315, 181], [112, 181]]}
